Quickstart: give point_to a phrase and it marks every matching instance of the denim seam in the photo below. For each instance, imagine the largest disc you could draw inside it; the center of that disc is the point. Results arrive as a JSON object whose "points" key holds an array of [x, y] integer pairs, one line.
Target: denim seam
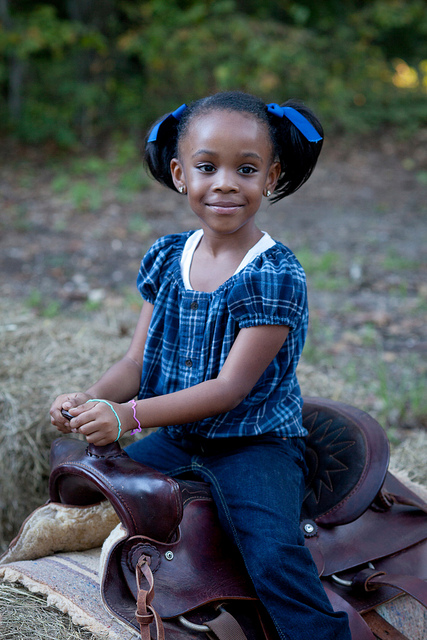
{"points": [[179, 470], [233, 528]]}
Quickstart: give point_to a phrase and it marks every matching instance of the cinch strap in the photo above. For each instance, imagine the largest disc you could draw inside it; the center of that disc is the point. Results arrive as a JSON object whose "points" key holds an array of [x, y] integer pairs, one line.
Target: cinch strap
{"points": [[300, 121]]}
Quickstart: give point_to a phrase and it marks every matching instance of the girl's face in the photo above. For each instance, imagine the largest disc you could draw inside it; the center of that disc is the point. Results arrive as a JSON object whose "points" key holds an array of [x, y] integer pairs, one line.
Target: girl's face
{"points": [[226, 164]]}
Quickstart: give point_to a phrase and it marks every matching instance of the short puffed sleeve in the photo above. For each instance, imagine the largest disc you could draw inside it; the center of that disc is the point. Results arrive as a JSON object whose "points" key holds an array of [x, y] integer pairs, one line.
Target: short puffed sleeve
{"points": [[159, 264], [270, 290]]}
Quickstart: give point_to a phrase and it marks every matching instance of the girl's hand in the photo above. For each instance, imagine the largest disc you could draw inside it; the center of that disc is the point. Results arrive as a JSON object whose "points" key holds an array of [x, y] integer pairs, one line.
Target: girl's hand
{"points": [[66, 401], [98, 423]]}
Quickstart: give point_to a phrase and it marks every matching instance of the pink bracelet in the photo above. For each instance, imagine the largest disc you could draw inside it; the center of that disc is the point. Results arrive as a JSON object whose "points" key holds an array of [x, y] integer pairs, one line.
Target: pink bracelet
{"points": [[139, 428]]}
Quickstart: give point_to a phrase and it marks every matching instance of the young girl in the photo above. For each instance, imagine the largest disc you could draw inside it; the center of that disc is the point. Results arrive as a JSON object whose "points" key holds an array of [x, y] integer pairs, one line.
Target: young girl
{"points": [[213, 358]]}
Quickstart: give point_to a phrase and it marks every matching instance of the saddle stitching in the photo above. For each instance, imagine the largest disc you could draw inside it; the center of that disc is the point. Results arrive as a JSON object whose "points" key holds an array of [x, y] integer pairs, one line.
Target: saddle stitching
{"points": [[356, 486]]}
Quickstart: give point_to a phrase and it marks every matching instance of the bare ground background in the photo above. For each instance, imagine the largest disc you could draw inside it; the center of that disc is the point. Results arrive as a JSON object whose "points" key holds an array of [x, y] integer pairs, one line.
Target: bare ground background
{"points": [[73, 231]]}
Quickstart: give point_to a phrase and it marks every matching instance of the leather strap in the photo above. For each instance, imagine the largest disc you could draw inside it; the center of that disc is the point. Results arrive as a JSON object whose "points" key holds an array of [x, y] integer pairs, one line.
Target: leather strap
{"points": [[410, 502], [226, 627], [145, 614], [411, 585], [382, 629], [358, 627]]}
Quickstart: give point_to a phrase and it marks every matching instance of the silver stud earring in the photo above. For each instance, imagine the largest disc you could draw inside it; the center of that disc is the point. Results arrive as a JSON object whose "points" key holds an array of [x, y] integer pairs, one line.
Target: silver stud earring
{"points": [[268, 193], [181, 189]]}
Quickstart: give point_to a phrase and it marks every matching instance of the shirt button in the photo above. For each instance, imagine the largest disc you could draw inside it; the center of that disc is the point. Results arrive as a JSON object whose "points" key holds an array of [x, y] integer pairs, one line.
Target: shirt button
{"points": [[194, 306], [189, 363]]}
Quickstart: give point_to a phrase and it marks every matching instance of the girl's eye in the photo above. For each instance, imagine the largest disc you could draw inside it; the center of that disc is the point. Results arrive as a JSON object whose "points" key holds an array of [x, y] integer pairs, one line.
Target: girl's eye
{"points": [[206, 168], [247, 170]]}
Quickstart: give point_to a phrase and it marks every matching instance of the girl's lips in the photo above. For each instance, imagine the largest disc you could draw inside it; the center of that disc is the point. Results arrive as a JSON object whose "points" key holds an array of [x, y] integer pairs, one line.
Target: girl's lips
{"points": [[225, 207]]}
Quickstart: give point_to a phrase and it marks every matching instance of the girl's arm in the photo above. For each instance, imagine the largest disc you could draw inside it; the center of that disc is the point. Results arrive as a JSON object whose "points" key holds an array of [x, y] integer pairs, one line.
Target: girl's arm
{"points": [[119, 384], [252, 352]]}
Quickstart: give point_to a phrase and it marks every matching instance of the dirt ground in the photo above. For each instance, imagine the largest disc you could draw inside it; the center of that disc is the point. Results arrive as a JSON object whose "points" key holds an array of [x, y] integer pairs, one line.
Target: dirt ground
{"points": [[358, 227]]}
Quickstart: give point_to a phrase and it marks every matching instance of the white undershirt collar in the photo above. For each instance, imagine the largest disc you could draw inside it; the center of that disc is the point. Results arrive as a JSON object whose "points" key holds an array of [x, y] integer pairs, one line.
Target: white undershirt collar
{"points": [[190, 246]]}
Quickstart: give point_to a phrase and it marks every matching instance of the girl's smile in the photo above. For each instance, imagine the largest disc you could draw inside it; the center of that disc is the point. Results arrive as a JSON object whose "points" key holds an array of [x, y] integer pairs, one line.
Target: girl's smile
{"points": [[227, 207], [226, 164]]}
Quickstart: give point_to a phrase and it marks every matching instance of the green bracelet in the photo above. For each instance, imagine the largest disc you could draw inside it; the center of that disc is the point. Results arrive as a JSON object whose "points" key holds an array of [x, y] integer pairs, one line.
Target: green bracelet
{"points": [[119, 425]]}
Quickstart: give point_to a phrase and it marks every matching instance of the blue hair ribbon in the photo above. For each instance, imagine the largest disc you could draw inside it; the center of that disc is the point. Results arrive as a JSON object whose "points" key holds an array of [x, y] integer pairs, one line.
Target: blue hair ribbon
{"points": [[300, 121], [175, 114]]}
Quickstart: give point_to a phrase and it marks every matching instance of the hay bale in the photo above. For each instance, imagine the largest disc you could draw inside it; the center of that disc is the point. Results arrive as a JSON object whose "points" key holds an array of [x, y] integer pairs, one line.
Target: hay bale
{"points": [[27, 616], [40, 359], [409, 458]]}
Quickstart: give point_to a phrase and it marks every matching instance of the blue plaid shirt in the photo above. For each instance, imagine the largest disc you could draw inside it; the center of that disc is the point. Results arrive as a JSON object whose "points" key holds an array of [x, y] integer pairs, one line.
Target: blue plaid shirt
{"points": [[191, 334]]}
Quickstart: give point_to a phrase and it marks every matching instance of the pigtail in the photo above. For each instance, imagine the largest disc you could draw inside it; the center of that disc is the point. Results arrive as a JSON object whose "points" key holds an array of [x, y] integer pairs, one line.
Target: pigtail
{"points": [[159, 152], [296, 154]]}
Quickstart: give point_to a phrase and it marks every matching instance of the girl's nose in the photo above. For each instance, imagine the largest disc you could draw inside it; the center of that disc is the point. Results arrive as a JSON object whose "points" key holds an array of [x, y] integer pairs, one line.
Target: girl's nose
{"points": [[226, 181]]}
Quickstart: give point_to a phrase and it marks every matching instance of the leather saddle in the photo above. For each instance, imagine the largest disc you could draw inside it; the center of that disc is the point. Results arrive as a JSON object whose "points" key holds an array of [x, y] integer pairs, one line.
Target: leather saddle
{"points": [[172, 573]]}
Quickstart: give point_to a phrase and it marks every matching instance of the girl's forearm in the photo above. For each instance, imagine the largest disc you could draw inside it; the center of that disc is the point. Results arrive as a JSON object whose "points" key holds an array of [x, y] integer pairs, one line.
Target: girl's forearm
{"points": [[196, 403]]}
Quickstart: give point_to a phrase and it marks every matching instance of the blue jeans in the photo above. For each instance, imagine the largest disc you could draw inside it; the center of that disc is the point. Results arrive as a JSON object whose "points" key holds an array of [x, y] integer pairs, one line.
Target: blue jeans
{"points": [[257, 484]]}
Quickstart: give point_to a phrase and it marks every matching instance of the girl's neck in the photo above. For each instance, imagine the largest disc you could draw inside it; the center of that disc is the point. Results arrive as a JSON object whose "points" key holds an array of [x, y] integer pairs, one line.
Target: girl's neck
{"points": [[237, 243], [216, 259]]}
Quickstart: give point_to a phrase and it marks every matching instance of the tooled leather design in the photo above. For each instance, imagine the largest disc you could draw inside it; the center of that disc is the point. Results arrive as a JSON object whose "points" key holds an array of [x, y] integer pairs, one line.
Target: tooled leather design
{"points": [[327, 467], [348, 453], [327, 458], [194, 490]]}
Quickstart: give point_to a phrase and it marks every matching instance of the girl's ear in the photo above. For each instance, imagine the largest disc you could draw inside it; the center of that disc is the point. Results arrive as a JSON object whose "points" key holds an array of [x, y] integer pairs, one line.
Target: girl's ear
{"points": [[177, 172], [272, 176]]}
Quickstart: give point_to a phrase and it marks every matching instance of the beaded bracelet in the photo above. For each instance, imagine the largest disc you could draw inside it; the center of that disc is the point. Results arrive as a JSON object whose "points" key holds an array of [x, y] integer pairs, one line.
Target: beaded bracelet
{"points": [[139, 428], [119, 425]]}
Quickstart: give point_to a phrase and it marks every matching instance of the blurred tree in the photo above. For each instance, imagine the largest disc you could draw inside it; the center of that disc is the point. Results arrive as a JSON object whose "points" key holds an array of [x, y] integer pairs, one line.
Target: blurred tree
{"points": [[15, 67], [75, 70]]}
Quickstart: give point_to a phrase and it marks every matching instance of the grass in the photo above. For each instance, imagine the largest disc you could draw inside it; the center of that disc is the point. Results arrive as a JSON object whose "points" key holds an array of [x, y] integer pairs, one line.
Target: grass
{"points": [[325, 271], [86, 182], [138, 226], [405, 399], [389, 384], [19, 218], [393, 262], [370, 346], [422, 177], [45, 307]]}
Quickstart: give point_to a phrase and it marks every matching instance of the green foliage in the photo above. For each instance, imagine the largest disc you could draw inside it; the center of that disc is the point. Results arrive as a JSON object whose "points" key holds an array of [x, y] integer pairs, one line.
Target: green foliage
{"points": [[87, 182], [78, 72], [45, 308]]}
